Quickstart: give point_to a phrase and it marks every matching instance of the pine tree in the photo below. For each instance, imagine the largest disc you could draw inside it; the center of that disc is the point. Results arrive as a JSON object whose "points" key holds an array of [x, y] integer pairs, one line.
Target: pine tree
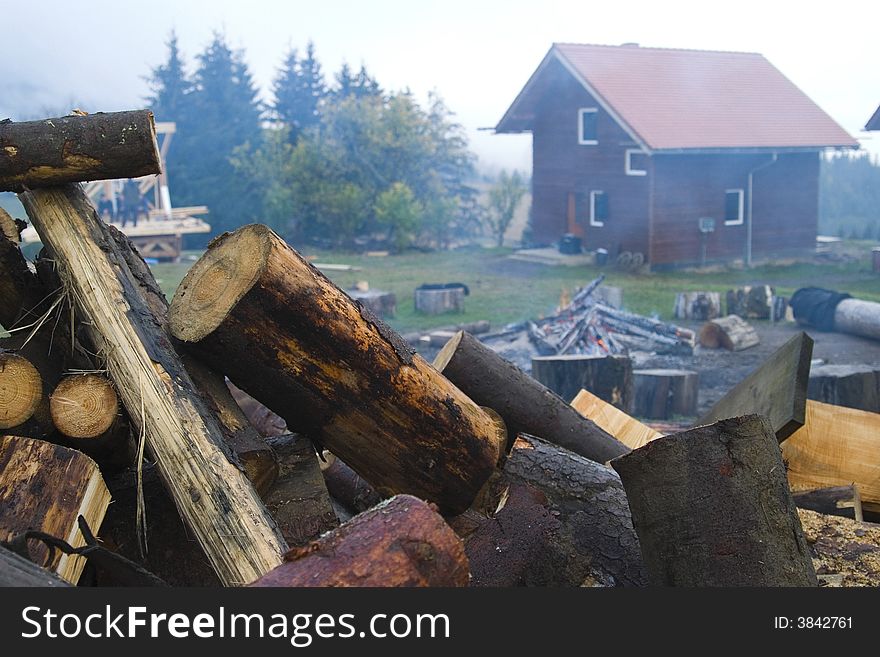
{"points": [[358, 85], [299, 91], [169, 86]]}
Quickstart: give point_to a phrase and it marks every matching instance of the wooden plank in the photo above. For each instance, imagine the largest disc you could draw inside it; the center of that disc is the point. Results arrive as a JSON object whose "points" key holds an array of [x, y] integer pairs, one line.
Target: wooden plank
{"points": [[18, 571], [777, 390], [837, 446], [835, 500], [626, 429]]}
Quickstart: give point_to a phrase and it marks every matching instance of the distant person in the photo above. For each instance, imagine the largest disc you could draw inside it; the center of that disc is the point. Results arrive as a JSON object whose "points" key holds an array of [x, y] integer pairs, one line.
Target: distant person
{"points": [[105, 206], [131, 202]]}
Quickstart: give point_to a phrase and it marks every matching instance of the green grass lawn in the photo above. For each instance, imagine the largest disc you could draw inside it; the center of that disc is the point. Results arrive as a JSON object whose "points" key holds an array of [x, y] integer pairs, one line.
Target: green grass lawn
{"points": [[504, 290]]}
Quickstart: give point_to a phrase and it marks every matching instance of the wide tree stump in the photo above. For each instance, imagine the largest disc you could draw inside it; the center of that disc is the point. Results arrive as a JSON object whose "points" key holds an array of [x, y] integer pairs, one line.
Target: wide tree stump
{"points": [[525, 405], [253, 308], [776, 390], [77, 148], [663, 394], [751, 302], [401, 542], [608, 377], [732, 333], [712, 507], [47, 487], [854, 386], [701, 306], [437, 301], [626, 429]]}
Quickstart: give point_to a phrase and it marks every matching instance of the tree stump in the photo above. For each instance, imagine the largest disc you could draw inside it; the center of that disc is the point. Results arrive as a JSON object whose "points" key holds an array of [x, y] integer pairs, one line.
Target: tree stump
{"points": [[701, 306], [712, 507], [732, 333], [854, 386], [437, 301], [382, 304], [751, 302], [663, 394], [608, 377]]}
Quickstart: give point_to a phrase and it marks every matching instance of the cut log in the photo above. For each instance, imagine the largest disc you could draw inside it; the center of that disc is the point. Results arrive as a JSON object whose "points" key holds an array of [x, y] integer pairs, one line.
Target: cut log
{"points": [[77, 148], [526, 405], [215, 499], [776, 390], [854, 386], [626, 429], [349, 488], [400, 543], [700, 306], [47, 487], [732, 333], [712, 508], [837, 446], [266, 422], [751, 302], [663, 394], [332, 370], [608, 377], [21, 390], [858, 317], [594, 539], [298, 500], [17, 571], [84, 406], [836, 501], [439, 301]]}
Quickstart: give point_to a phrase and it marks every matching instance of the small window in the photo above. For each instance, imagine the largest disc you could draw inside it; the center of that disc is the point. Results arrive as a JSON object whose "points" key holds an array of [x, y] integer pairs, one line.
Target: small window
{"points": [[598, 208], [587, 125], [636, 162], [733, 207]]}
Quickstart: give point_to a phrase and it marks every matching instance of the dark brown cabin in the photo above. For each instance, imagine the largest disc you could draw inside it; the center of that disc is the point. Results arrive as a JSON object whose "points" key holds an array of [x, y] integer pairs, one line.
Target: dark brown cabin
{"points": [[682, 156]]}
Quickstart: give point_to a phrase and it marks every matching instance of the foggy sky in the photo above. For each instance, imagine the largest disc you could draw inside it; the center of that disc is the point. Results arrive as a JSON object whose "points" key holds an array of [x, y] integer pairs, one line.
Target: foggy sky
{"points": [[95, 54]]}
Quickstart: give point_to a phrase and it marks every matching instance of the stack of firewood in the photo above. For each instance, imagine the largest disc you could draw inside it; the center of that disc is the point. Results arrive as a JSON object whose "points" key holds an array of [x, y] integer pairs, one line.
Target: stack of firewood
{"points": [[265, 429]]}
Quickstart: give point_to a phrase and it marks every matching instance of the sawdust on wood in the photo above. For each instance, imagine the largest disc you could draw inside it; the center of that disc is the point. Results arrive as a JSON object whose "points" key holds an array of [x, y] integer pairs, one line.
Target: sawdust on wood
{"points": [[842, 546]]}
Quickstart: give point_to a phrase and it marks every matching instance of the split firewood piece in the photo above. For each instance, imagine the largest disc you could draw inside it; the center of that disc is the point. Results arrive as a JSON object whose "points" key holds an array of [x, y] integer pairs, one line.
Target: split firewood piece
{"points": [[298, 500], [608, 377], [15, 570], [400, 543], [732, 333], [46, 487], [836, 501], [350, 489], [712, 507], [525, 404], [626, 429], [837, 446], [214, 497], [663, 394], [776, 390], [750, 302], [21, 390], [595, 540], [77, 148], [332, 370]]}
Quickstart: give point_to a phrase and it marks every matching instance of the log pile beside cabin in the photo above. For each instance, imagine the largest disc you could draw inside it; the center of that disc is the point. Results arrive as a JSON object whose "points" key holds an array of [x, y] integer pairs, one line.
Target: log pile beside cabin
{"points": [[265, 429]]}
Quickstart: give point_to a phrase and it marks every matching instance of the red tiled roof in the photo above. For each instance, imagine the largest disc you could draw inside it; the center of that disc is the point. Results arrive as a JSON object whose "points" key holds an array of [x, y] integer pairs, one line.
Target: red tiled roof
{"points": [[693, 99]]}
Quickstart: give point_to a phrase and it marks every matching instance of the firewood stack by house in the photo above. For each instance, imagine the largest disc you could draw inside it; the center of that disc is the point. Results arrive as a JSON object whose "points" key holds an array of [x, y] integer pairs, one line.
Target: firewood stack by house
{"points": [[265, 429]]}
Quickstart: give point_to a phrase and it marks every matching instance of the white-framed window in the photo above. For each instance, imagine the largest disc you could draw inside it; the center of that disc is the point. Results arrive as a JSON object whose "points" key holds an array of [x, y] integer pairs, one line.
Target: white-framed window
{"points": [[635, 162], [598, 207], [733, 207], [587, 125]]}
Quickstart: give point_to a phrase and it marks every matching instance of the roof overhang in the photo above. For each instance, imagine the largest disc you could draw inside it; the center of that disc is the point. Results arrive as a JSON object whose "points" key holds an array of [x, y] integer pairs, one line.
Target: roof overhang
{"points": [[874, 122], [749, 151]]}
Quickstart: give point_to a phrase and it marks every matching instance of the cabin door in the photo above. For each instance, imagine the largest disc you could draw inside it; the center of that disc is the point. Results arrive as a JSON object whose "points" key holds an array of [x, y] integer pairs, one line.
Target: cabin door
{"points": [[573, 226]]}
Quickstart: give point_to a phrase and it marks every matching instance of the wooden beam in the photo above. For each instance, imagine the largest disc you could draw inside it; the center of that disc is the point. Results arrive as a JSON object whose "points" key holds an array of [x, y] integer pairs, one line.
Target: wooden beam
{"points": [[777, 390], [624, 428], [215, 499]]}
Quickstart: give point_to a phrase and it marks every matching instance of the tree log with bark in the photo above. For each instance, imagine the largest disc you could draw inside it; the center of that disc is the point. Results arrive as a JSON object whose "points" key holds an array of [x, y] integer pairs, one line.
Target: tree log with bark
{"points": [[732, 333], [608, 377]]}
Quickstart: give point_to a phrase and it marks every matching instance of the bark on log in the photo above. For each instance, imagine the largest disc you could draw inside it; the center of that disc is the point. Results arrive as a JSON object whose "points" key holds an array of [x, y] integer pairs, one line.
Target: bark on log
{"points": [[777, 390], [836, 501], [332, 370], [608, 377], [712, 508], [17, 571], [214, 497], [265, 422], [626, 429], [400, 543], [837, 446], [47, 487], [17, 283], [595, 540], [853, 386], [77, 148], [731, 333], [298, 500], [662, 394], [526, 405], [751, 302], [858, 317], [349, 488], [701, 306]]}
